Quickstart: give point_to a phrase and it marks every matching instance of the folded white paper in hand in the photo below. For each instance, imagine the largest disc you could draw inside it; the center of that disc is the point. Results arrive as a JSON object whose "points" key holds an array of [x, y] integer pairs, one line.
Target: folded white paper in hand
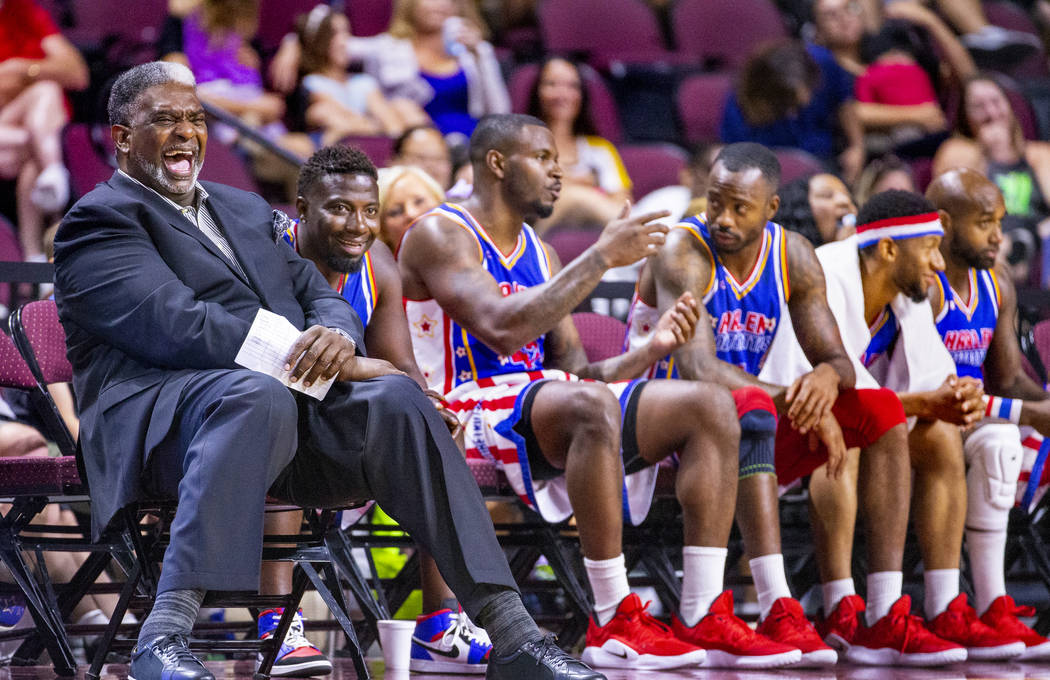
{"points": [[269, 341]]}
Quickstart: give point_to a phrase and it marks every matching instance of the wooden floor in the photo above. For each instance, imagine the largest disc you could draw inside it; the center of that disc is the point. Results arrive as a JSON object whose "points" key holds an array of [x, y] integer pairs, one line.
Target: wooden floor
{"points": [[242, 670]]}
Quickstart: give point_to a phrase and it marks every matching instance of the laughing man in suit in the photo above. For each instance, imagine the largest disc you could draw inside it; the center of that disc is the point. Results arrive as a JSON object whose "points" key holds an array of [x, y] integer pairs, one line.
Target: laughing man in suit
{"points": [[158, 279]]}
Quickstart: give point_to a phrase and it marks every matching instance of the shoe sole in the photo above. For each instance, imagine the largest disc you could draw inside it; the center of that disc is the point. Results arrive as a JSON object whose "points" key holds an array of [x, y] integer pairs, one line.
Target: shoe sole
{"points": [[435, 666], [614, 654], [818, 658], [1040, 652], [716, 658], [305, 669], [1000, 653], [838, 643], [891, 657]]}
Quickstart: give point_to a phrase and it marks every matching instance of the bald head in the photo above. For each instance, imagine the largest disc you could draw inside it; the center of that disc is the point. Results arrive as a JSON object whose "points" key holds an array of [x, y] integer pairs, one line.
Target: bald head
{"points": [[971, 209], [962, 192]]}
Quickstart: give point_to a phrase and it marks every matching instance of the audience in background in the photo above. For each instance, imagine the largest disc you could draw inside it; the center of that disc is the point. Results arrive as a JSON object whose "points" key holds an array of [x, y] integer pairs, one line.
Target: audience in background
{"points": [[689, 196], [898, 85], [793, 95], [435, 55], [340, 103], [595, 183], [424, 147], [989, 140], [882, 174], [215, 41], [405, 193], [36, 64], [819, 207]]}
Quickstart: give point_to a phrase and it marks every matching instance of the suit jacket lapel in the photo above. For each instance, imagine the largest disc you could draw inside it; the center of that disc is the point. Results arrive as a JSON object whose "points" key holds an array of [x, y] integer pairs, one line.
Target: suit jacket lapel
{"points": [[242, 243], [177, 220]]}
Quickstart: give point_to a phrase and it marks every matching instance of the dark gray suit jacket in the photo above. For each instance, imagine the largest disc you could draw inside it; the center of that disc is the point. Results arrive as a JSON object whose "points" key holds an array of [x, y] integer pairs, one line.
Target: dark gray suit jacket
{"points": [[147, 300]]}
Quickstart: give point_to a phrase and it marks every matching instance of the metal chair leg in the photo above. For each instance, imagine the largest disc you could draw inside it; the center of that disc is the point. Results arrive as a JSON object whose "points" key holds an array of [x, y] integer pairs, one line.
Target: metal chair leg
{"points": [[339, 612]]}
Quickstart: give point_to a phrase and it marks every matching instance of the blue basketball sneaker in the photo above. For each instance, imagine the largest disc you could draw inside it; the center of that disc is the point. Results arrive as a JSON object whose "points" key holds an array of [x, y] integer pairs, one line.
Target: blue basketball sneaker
{"points": [[447, 642], [297, 658], [12, 611]]}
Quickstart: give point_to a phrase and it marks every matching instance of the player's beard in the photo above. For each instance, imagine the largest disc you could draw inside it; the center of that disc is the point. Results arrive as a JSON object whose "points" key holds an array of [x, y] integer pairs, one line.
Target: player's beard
{"points": [[540, 210], [971, 256], [344, 264]]}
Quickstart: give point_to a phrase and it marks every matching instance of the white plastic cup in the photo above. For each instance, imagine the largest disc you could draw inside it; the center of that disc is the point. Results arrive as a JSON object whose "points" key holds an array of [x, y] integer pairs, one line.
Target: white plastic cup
{"points": [[395, 639]]}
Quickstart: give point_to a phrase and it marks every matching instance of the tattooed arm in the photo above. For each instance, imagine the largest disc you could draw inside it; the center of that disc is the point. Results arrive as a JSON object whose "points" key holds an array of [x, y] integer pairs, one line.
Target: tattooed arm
{"points": [[439, 260], [812, 395]]}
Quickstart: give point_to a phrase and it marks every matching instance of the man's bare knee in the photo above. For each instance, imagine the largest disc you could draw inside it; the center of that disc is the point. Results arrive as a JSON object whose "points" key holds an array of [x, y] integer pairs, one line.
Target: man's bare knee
{"points": [[591, 410], [937, 447]]}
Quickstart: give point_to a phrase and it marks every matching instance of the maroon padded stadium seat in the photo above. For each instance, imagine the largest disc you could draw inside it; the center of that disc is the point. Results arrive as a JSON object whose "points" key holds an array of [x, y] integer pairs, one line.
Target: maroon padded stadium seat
{"points": [[369, 17], [569, 243], [724, 32], [378, 148], [602, 336], [604, 30], [86, 166], [652, 166], [795, 163], [10, 251], [133, 24], [701, 100], [277, 19], [223, 164]]}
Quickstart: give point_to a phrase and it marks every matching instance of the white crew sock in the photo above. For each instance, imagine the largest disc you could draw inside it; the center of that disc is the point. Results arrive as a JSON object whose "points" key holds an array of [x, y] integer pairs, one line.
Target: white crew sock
{"points": [[609, 584], [986, 550], [834, 591], [703, 569], [884, 588], [770, 581], [942, 586]]}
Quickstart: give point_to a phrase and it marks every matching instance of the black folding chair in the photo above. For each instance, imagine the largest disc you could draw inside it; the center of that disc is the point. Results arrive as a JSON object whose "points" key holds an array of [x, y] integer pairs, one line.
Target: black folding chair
{"points": [[41, 338]]}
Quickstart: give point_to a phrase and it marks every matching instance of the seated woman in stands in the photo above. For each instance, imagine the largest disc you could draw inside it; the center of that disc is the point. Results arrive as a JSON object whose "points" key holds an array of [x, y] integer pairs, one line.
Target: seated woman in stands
{"points": [[215, 41], [595, 184], [341, 103], [988, 138]]}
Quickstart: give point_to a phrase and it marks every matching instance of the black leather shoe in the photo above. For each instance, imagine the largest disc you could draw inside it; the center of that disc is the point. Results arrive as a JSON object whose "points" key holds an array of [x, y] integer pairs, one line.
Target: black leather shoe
{"points": [[167, 657], [539, 660]]}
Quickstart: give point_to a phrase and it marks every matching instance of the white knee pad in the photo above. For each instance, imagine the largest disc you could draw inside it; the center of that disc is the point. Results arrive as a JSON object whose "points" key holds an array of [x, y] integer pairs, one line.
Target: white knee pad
{"points": [[993, 458]]}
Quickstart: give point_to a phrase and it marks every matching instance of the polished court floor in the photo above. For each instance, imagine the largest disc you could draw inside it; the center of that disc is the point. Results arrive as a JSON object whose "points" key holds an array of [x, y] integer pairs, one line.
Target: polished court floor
{"points": [[242, 670]]}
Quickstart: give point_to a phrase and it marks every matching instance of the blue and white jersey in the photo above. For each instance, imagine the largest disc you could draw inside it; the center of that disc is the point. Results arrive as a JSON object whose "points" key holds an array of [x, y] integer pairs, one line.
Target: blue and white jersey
{"points": [[744, 314], [884, 331], [359, 288], [967, 326], [446, 353]]}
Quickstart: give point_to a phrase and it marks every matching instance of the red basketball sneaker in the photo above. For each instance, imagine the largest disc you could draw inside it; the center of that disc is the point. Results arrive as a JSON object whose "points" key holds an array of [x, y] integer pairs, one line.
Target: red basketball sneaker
{"points": [[840, 628], [730, 643], [901, 639], [1002, 616], [634, 639], [787, 624], [959, 624]]}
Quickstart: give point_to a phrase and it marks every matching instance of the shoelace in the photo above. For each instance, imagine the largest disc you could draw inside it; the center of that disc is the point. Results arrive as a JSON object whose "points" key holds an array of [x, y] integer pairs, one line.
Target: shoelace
{"points": [[797, 627], [733, 628], [464, 627], [652, 628], [550, 654], [296, 636], [174, 649]]}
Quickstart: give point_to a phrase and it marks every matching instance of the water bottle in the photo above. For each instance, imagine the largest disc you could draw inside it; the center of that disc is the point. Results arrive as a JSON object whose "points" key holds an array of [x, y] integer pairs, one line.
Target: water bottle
{"points": [[450, 36]]}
